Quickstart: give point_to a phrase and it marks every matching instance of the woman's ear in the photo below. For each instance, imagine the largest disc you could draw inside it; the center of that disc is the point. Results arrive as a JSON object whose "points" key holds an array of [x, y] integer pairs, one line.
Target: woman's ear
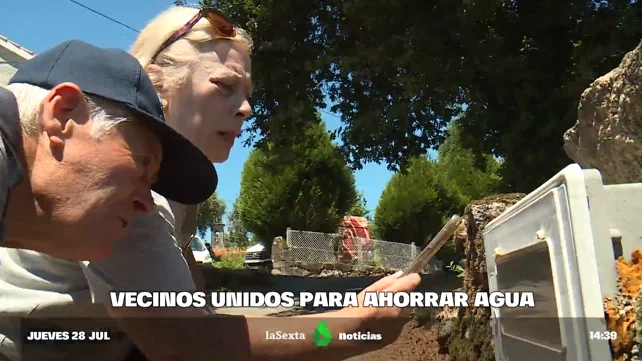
{"points": [[155, 73]]}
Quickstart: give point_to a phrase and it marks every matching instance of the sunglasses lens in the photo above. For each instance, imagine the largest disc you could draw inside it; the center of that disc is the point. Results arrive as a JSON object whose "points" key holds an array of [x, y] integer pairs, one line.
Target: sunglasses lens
{"points": [[221, 24]]}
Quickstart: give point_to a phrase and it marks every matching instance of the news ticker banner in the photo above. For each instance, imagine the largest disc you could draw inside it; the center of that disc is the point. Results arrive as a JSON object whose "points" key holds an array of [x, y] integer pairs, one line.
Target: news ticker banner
{"points": [[36, 333], [82, 331], [86, 331], [321, 299], [62, 339], [61, 331]]}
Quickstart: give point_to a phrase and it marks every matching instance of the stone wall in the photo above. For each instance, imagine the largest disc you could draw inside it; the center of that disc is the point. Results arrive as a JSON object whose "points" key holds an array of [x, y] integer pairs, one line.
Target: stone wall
{"points": [[234, 279], [608, 137], [283, 264], [469, 336], [608, 132]]}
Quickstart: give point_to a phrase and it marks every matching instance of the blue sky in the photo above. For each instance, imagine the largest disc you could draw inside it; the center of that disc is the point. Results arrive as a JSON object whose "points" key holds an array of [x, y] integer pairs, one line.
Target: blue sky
{"points": [[41, 24]]}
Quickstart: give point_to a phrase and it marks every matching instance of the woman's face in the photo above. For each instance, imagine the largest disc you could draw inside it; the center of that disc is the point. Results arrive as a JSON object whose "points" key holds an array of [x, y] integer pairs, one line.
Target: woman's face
{"points": [[210, 107]]}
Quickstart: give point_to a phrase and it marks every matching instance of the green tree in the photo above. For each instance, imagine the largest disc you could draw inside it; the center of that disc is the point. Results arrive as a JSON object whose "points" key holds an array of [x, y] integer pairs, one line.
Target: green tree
{"points": [[416, 203], [209, 212], [360, 208], [306, 186], [398, 71], [237, 234], [413, 204], [462, 173]]}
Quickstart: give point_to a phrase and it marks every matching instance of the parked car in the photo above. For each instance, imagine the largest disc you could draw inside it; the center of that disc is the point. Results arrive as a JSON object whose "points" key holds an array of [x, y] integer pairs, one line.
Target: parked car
{"points": [[257, 256], [200, 251]]}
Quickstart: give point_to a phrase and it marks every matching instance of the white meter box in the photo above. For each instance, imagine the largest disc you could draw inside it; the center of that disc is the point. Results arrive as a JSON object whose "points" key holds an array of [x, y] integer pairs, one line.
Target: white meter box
{"points": [[557, 243]]}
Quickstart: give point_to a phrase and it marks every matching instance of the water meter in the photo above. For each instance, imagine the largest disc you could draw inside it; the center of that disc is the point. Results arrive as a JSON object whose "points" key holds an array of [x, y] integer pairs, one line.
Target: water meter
{"points": [[560, 242]]}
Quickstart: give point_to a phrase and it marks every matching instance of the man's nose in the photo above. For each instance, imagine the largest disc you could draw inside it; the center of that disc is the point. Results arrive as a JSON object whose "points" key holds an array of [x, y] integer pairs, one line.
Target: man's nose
{"points": [[143, 202]]}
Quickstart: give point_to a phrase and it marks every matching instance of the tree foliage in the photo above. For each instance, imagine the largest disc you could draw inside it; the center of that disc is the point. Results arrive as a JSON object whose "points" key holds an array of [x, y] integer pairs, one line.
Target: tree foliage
{"points": [[360, 208], [237, 234], [306, 186], [416, 203], [399, 71], [413, 204], [461, 172], [209, 212]]}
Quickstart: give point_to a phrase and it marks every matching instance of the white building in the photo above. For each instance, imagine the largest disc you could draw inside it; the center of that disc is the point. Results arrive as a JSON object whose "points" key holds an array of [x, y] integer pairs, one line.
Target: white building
{"points": [[11, 54]]}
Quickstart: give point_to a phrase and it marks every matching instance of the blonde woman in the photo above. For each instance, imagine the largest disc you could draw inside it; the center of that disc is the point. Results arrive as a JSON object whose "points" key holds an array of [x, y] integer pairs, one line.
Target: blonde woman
{"points": [[200, 65], [204, 86]]}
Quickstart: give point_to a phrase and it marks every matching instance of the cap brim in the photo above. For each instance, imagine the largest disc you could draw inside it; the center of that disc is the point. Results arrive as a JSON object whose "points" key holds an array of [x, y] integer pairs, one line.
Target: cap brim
{"points": [[186, 175]]}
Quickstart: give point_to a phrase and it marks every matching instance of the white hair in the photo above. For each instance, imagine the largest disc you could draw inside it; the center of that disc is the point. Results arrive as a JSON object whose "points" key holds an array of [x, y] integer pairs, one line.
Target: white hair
{"points": [[105, 114], [177, 58]]}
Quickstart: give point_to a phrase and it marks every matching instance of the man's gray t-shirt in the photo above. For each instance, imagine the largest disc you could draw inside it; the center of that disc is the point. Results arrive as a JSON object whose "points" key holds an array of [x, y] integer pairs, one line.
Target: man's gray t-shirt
{"points": [[4, 184], [10, 170], [35, 285]]}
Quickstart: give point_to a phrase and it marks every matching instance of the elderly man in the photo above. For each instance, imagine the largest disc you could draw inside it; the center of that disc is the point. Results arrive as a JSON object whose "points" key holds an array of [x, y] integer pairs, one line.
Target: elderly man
{"points": [[83, 143]]}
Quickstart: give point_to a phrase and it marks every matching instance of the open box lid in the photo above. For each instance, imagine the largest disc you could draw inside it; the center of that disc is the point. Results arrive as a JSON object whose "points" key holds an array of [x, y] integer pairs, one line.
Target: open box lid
{"points": [[546, 244]]}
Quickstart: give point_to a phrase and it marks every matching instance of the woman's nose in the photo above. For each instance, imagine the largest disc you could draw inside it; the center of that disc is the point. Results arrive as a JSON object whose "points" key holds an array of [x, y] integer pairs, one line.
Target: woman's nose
{"points": [[245, 110]]}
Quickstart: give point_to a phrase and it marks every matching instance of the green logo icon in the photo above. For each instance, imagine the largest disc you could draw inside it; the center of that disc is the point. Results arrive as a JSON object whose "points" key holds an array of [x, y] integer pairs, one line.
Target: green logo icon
{"points": [[322, 335]]}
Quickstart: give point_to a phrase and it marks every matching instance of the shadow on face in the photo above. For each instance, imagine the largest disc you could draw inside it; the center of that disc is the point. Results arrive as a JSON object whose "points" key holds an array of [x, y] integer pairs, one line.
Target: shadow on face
{"points": [[92, 173]]}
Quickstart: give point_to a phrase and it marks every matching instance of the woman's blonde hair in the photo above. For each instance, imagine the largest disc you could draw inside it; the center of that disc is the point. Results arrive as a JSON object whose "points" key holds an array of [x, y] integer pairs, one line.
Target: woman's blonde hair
{"points": [[176, 58]]}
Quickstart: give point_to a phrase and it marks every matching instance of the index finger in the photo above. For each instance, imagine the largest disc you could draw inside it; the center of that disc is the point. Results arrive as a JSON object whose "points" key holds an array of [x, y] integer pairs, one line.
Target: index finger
{"points": [[384, 282], [405, 284]]}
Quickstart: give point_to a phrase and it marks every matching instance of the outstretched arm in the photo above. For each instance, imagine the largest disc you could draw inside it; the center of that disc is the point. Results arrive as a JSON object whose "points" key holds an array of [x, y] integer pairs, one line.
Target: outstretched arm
{"points": [[164, 334]]}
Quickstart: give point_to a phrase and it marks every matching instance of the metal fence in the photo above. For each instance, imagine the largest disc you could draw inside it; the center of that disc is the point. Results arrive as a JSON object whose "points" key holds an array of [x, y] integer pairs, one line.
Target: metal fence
{"points": [[314, 247]]}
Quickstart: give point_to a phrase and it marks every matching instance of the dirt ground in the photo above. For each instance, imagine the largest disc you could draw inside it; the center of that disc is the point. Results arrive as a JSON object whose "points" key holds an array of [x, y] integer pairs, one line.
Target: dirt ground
{"points": [[415, 343]]}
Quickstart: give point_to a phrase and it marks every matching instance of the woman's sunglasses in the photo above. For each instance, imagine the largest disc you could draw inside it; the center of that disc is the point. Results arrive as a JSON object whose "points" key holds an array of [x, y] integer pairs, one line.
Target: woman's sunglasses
{"points": [[219, 21]]}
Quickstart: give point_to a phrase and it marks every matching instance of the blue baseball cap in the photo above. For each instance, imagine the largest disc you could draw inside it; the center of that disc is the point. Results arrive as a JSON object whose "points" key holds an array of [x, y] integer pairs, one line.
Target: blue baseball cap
{"points": [[186, 175]]}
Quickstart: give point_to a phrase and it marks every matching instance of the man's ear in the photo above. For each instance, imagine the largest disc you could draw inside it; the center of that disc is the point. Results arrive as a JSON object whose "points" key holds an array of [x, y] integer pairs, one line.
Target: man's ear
{"points": [[62, 108]]}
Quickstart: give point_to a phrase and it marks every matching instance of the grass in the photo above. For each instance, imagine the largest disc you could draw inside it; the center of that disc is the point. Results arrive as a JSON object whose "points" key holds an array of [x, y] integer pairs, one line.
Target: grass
{"points": [[229, 258], [425, 316], [230, 261], [459, 270], [221, 252]]}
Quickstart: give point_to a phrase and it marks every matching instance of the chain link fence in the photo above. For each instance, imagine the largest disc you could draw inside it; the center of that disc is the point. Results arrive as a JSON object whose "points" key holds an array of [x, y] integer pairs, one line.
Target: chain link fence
{"points": [[314, 248]]}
